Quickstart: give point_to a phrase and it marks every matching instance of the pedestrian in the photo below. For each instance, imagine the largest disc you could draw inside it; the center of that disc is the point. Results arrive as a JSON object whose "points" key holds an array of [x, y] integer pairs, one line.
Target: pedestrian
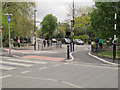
{"points": [[18, 41], [89, 41], [96, 43], [27, 41], [101, 43], [44, 42], [48, 43]]}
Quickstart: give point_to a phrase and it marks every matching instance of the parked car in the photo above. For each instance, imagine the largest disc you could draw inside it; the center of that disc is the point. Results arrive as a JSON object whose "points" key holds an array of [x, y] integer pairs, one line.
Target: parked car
{"points": [[54, 40], [66, 41], [78, 42]]}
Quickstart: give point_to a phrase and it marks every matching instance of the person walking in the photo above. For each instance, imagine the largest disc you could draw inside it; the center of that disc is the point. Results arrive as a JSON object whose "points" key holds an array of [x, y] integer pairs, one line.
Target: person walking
{"points": [[18, 41], [101, 43], [27, 41], [44, 42], [96, 43], [48, 43]]}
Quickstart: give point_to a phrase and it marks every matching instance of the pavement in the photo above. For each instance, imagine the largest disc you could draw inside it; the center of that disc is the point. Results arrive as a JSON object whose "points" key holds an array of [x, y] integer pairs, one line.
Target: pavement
{"points": [[48, 69], [33, 73]]}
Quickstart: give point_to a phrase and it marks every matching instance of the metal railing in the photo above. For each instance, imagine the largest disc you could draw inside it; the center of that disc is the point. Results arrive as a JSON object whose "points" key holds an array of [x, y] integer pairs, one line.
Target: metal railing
{"points": [[106, 51]]}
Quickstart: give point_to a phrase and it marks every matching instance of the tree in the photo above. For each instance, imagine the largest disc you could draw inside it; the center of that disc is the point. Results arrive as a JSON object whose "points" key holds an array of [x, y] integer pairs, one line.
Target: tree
{"points": [[49, 24], [82, 19], [81, 24], [102, 19], [61, 30], [21, 21]]}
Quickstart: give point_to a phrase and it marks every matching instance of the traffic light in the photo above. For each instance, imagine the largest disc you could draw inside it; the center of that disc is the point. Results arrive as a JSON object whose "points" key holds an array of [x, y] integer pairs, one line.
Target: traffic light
{"points": [[36, 27], [73, 20]]}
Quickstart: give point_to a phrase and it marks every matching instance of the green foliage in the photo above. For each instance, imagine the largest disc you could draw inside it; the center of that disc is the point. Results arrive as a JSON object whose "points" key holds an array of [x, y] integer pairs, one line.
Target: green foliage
{"points": [[62, 28], [81, 24], [21, 21], [49, 24], [102, 19], [15, 43], [38, 33], [6, 43]]}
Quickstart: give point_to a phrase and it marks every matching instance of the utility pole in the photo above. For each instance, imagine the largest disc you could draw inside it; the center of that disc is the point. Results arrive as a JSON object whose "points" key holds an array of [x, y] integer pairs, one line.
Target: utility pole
{"points": [[35, 29], [9, 32], [115, 36], [73, 24]]}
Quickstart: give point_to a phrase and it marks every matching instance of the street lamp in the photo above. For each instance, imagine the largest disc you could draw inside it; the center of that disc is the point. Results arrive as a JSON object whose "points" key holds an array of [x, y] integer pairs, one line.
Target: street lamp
{"points": [[73, 25], [35, 29], [9, 31]]}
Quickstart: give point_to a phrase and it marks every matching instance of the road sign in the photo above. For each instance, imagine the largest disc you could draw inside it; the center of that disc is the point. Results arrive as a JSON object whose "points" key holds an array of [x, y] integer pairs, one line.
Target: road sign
{"points": [[8, 19]]}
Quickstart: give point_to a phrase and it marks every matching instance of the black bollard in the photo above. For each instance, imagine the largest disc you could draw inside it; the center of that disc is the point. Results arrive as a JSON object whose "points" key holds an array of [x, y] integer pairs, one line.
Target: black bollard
{"points": [[42, 46], [38, 46], [114, 52], [68, 52], [92, 48], [71, 47]]}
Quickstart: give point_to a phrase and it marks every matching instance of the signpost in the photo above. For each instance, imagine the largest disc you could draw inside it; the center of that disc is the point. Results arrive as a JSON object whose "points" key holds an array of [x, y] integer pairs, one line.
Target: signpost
{"points": [[9, 32]]}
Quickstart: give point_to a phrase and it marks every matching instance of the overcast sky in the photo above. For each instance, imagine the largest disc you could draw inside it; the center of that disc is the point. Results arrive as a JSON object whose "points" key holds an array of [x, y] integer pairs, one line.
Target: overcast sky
{"points": [[58, 8]]}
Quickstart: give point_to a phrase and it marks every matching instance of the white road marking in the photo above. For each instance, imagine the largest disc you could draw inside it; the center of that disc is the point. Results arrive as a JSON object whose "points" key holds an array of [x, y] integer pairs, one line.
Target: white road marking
{"points": [[6, 67], [5, 57], [56, 65], [16, 56], [27, 61], [94, 66], [43, 68], [71, 84], [102, 59], [51, 80], [37, 78], [26, 71], [6, 76], [18, 64], [72, 58]]}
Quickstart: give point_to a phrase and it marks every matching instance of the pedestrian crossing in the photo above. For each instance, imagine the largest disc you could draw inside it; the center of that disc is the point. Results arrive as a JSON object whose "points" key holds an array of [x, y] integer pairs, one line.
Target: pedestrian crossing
{"points": [[8, 63], [6, 67]]}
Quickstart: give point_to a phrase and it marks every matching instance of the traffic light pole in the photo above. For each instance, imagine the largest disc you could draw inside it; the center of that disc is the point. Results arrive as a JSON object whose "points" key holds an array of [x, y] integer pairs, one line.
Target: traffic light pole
{"points": [[73, 25], [35, 29]]}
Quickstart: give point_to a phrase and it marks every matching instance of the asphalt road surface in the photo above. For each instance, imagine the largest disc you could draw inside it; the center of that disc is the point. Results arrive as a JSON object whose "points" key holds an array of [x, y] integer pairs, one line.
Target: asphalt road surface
{"points": [[37, 71]]}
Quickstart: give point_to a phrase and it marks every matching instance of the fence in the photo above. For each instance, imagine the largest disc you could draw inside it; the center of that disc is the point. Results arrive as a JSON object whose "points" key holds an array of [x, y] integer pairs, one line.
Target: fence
{"points": [[42, 46], [106, 51]]}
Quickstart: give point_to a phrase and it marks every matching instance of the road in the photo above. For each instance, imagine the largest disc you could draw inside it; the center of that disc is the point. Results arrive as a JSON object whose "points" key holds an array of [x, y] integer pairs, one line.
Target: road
{"points": [[35, 70]]}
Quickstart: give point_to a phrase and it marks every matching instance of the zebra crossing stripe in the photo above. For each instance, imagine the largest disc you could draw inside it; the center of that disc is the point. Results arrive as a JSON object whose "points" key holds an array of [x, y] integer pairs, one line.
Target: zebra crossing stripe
{"points": [[18, 64], [6, 67], [6, 76], [27, 61]]}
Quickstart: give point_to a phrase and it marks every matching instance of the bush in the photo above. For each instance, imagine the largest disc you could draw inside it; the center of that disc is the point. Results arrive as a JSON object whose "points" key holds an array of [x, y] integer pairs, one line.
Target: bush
{"points": [[15, 43], [6, 43]]}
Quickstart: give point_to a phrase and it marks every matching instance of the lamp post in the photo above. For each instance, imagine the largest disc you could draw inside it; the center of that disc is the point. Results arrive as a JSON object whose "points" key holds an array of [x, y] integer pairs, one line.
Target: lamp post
{"points": [[35, 29], [9, 32], [73, 25]]}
